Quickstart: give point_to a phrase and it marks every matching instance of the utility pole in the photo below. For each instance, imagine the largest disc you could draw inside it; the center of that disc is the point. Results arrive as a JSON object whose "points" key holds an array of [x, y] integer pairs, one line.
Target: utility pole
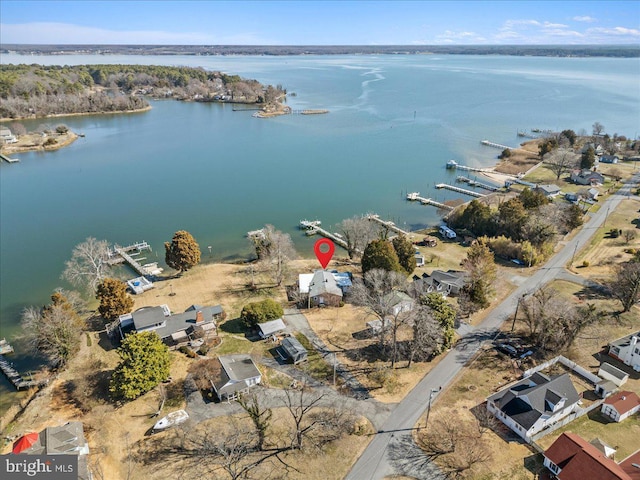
{"points": [[431, 394], [334, 369], [515, 315]]}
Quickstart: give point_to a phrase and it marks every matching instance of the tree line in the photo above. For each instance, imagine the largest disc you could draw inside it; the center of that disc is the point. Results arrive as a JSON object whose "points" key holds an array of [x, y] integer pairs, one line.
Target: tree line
{"points": [[37, 90]]}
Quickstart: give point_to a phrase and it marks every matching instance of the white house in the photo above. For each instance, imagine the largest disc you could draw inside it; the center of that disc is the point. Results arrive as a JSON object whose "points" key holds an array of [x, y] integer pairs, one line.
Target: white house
{"points": [[621, 405], [398, 302], [627, 350], [534, 403], [237, 375], [6, 136]]}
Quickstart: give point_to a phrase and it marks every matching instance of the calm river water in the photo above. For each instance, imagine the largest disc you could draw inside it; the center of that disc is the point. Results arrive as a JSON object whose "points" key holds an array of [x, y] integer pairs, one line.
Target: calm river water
{"points": [[394, 122]]}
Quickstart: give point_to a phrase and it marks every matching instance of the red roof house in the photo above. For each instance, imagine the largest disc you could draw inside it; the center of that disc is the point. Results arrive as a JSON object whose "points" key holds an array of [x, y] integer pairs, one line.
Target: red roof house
{"points": [[621, 405], [631, 465], [572, 458]]}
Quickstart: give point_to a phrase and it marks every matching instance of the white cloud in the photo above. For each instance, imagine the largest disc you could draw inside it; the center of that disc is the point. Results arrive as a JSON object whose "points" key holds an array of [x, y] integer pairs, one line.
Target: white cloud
{"points": [[554, 25], [584, 18], [615, 31], [450, 36], [63, 33]]}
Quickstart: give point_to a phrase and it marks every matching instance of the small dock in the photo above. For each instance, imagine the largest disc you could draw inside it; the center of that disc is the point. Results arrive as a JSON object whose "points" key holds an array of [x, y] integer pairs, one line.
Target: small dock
{"points": [[8, 159], [415, 197], [389, 225], [313, 227], [453, 165], [475, 183], [130, 254], [16, 379], [497, 145], [453, 188]]}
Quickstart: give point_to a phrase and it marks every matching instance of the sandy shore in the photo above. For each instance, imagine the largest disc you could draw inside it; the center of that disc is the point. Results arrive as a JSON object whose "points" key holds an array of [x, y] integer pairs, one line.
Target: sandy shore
{"points": [[81, 114]]}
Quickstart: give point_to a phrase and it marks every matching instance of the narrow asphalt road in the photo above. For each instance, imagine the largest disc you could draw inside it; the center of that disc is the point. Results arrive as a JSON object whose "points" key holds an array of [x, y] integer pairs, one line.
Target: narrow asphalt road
{"points": [[383, 455]]}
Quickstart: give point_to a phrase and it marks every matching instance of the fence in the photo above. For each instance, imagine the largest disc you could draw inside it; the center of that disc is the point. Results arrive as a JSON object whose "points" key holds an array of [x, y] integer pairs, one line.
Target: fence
{"points": [[573, 366], [569, 418]]}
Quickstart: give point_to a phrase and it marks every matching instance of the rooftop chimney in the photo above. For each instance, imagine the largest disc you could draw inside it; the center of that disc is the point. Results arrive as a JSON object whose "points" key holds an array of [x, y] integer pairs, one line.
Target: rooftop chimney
{"points": [[199, 318]]}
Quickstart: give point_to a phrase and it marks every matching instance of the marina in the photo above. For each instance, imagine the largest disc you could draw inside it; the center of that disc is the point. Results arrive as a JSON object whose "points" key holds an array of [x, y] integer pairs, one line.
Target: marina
{"points": [[415, 197], [453, 188]]}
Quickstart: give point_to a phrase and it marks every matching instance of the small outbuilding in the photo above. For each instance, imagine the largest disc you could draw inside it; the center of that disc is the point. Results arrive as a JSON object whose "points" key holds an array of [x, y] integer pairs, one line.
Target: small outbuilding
{"points": [[267, 329], [294, 350], [621, 405]]}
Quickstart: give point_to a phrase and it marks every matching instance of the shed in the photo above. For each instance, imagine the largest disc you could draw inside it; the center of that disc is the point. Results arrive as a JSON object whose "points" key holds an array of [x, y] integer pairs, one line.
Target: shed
{"points": [[294, 350], [267, 329], [609, 372]]}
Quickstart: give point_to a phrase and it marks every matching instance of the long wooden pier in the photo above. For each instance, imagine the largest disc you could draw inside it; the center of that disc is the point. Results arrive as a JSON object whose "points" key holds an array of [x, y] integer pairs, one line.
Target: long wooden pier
{"points": [[475, 183], [386, 224], [16, 379], [8, 159], [125, 255], [452, 164], [497, 145], [415, 197], [453, 188], [313, 227]]}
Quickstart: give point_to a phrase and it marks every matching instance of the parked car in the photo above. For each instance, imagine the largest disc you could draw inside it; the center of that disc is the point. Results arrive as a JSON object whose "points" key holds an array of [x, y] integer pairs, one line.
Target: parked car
{"points": [[508, 349]]}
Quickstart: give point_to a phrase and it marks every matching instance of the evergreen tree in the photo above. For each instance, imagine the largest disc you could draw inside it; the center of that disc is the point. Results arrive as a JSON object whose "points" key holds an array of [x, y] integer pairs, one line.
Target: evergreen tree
{"points": [[380, 254], [114, 299], [144, 363], [260, 312], [444, 313], [588, 159], [532, 198], [405, 252], [183, 252]]}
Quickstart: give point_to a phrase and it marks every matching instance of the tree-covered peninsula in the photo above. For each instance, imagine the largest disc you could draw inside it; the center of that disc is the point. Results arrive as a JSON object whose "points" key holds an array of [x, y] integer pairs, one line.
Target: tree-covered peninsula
{"points": [[38, 91]]}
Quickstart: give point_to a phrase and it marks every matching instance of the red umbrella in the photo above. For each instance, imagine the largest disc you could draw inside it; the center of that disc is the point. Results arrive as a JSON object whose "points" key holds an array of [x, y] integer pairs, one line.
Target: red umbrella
{"points": [[25, 442]]}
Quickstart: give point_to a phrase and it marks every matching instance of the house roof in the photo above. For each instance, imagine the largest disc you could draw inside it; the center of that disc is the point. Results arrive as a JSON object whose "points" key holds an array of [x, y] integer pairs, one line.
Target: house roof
{"points": [[148, 316], [623, 401], [613, 371], [396, 298], [624, 341], [65, 439], [630, 465], [342, 280], [239, 367], [549, 188], [293, 347], [526, 401], [182, 321], [324, 282], [269, 328], [579, 460]]}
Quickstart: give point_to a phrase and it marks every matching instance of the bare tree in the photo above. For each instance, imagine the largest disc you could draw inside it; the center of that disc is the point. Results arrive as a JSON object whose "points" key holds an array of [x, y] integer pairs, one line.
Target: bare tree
{"points": [[300, 406], [561, 160], [554, 322], [625, 286], [598, 128], [380, 293], [629, 235], [275, 251], [88, 264], [261, 417], [428, 337], [357, 232], [54, 330]]}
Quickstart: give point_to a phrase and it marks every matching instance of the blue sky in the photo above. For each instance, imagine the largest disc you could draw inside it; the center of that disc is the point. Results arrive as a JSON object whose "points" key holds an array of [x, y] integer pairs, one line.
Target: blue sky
{"points": [[302, 22]]}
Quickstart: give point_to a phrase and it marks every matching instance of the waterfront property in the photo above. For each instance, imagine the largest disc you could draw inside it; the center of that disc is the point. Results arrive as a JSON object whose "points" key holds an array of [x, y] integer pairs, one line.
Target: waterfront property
{"points": [[236, 375], [446, 283], [324, 288], [534, 403], [175, 330], [549, 190]]}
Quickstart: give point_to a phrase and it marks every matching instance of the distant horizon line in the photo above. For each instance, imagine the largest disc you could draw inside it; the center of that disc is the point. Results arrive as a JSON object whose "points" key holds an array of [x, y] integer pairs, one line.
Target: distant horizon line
{"points": [[453, 45]]}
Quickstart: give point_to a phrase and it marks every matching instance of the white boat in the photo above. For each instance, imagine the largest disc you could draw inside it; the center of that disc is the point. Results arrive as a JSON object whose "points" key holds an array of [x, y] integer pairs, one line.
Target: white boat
{"points": [[171, 420]]}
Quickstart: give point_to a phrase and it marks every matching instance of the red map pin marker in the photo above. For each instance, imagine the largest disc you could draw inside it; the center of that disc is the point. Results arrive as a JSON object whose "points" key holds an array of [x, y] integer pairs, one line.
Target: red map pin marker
{"points": [[324, 257]]}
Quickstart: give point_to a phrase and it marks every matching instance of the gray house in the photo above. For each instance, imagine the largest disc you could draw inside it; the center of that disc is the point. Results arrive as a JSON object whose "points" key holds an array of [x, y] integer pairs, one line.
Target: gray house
{"points": [[549, 190], [324, 290], [450, 282], [237, 374], [174, 330], [587, 177]]}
